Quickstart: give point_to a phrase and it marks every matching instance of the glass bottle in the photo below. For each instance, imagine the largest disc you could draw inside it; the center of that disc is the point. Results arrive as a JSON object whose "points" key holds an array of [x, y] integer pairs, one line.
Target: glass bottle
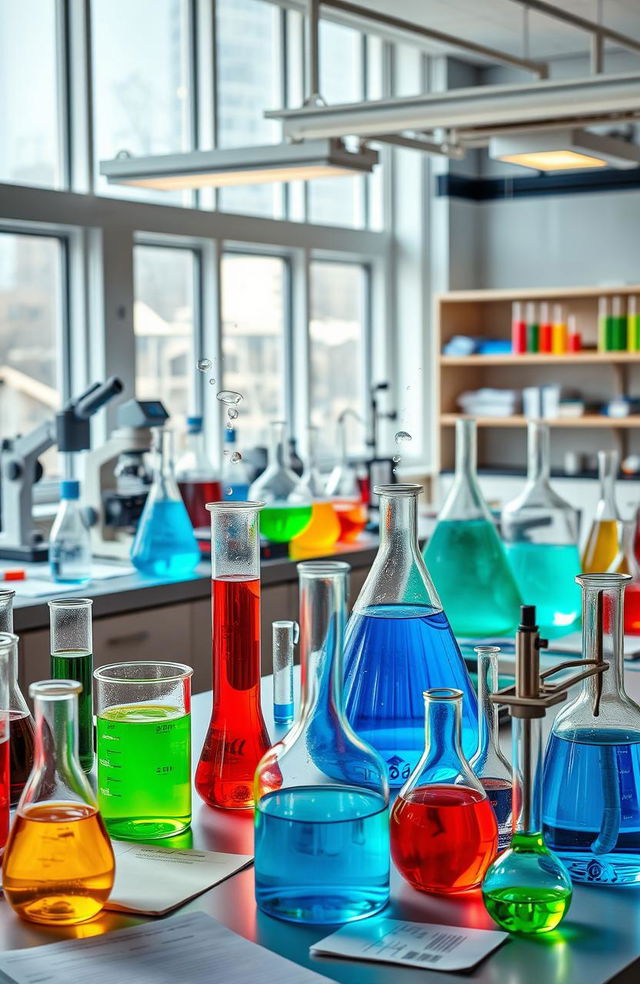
{"points": [[489, 763], [399, 641], [592, 763], [540, 531], [237, 735], [58, 867], [344, 491], [324, 528], [70, 539], [198, 480], [287, 503], [465, 555], [322, 799], [21, 736], [235, 480], [164, 544], [71, 647], [444, 833], [604, 550]]}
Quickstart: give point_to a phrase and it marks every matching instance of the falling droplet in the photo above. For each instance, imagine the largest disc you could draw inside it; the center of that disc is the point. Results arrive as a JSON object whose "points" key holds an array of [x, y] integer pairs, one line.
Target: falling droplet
{"points": [[232, 413], [204, 365], [395, 471], [228, 396], [396, 458], [212, 382], [235, 457], [403, 437]]}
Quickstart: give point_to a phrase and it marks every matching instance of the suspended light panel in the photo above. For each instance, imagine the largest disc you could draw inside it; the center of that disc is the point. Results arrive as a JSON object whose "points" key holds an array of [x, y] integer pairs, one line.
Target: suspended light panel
{"points": [[564, 150]]}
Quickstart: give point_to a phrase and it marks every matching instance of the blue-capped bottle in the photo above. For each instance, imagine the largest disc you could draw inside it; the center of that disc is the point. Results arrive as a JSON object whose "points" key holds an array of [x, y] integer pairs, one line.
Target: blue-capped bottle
{"points": [[399, 643], [70, 539]]}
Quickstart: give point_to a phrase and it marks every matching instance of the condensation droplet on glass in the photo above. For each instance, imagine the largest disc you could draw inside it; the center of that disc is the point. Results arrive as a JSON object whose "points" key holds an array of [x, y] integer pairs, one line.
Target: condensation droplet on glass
{"points": [[212, 382], [232, 413], [228, 396], [235, 457], [203, 365], [396, 458], [402, 437], [395, 471], [228, 491]]}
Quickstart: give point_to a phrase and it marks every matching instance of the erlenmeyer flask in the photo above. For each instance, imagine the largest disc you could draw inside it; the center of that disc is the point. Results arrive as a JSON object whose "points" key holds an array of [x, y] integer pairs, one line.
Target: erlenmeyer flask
{"points": [[465, 555], [21, 736], [237, 736], [444, 833], [324, 528], [489, 764], [287, 503], [592, 764], [344, 490], [540, 531], [322, 799], [58, 867], [399, 642], [164, 544], [604, 549]]}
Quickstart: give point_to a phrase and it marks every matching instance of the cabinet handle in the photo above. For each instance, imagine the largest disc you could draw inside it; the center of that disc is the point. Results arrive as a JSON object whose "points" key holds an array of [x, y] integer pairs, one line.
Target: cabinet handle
{"points": [[126, 639]]}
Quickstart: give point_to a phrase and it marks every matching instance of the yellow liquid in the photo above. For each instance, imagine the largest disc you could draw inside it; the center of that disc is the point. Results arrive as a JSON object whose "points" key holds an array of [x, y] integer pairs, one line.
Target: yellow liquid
{"points": [[322, 531], [602, 548], [58, 867]]}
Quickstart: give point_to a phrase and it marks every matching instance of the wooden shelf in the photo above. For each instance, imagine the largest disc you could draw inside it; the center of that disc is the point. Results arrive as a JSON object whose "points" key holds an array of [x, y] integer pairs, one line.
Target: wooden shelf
{"points": [[534, 294], [536, 359], [587, 420]]}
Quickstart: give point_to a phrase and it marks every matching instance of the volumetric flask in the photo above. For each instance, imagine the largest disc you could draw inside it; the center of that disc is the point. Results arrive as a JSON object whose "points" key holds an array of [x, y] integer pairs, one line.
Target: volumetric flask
{"points": [[399, 642], [71, 646], [489, 764], [22, 728], [322, 799], [144, 749], [237, 737], [287, 502], [58, 867]]}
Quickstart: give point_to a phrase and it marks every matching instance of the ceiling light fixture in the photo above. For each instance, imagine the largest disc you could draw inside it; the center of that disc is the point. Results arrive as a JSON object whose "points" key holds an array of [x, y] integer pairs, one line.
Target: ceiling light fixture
{"points": [[564, 150]]}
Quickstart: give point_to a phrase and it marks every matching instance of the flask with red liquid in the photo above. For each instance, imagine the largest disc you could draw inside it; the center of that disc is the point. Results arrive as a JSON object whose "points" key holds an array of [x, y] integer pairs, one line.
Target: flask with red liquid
{"points": [[198, 480], [444, 833], [237, 737]]}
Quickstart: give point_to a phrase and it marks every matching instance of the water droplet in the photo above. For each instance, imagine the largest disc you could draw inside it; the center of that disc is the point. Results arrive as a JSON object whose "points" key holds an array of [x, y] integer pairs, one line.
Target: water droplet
{"points": [[396, 458], [232, 413], [235, 457], [409, 386], [395, 471], [228, 491], [204, 364], [228, 396], [212, 382], [403, 437]]}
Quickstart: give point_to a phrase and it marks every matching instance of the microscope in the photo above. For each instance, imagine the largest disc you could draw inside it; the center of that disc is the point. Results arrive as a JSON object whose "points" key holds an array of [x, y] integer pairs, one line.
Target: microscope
{"points": [[20, 469]]}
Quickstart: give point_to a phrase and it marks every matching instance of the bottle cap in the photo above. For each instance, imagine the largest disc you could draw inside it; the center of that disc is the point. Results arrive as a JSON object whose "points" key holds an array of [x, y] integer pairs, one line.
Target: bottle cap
{"points": [[70, 489], [194, 424]]}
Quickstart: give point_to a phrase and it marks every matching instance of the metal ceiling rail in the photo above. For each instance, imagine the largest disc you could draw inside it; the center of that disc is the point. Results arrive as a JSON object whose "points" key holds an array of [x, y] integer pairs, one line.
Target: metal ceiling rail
{"points": [[582, 23]]}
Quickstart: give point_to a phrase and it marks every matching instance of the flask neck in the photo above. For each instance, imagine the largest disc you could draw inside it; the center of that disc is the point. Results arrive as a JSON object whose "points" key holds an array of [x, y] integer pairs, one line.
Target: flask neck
{"points": [[538, 469], [399, 520], [465, 500], [56, 734], [164, 483], [466, 450], [277, 445], [322, 620], [488, 760], [442, 731], [602, 633], [608, 472], [527, 775]]}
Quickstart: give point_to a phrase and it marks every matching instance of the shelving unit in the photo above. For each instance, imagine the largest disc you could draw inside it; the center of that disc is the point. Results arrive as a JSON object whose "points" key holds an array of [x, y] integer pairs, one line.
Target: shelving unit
{"points": [[598, 375]]}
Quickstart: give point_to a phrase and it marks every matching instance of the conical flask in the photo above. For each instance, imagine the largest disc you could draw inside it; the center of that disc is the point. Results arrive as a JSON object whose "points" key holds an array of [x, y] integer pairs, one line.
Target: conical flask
{"points": [[322, 798], [465, 555], [58, 867], [444, 833], [489, 763], [237, 736], [287, 503], [324, 528], [164, 544], [540, 531], [399, 642], [22, 728], [604, 549], [592, 763]]}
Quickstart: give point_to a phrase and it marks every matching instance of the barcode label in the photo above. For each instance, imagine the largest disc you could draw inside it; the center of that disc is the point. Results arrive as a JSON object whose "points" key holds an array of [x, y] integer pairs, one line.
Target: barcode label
{"points": [[422, 957]]}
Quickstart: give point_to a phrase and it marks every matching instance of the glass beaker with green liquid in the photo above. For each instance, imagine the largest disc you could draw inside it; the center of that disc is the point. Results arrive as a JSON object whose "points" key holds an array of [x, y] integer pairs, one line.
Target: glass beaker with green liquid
{"points": [[465, 555], [287, 502], [144, 749]]}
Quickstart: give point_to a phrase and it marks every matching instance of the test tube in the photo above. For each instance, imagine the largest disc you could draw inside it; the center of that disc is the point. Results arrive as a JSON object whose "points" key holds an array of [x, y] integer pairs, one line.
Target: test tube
{"points": [[285, 636], [574, 336], [633, 325], [545, 328], [518, 329], [72, 659], [6, 610], [559, 339], [533, 328], [619, 325]]}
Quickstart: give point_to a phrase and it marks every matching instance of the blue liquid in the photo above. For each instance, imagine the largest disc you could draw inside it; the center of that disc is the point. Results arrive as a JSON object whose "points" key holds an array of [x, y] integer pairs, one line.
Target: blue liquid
{"points": [[500, 794], [392, 654], [545, 574], [322, 854], [591, 813], [164, 544], [283, 713], [239, 492]]}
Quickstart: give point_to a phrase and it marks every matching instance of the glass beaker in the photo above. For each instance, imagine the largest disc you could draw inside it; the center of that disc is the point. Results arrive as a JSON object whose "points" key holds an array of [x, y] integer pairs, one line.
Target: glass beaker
{"points": [[71, 647], [144, 749], [237, 737], [287, 503], [540, 531], [324, 529], [465, 555], [164, 544], [21, 736], [58, 866], [198, 480], [344, 490], [489, 763], [444, 832], [399, 642], [604, 549], [322, 799], [592, 763]]}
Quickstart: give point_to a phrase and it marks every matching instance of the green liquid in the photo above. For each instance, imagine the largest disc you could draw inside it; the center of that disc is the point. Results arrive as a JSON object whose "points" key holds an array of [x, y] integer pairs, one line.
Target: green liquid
{"points": [[545, 574], [79, 666], [527, 910], [470, 570], [281, 523], [144, 771]]}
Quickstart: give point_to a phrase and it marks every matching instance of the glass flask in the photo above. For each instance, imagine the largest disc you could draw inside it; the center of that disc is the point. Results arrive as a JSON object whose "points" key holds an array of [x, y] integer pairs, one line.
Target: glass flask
{"points": [[143, 717], [540, 531], [444, 832], [489, 763], [592, 763], [465, 555], [324, 529], [237, 735], [322, 799], [71, 647], [198, 480], [164, 544], [21, 733], [70, 539], [58, 867], [287, 503], [284, 638], [604, 549], [398, 641], [343, 489]]}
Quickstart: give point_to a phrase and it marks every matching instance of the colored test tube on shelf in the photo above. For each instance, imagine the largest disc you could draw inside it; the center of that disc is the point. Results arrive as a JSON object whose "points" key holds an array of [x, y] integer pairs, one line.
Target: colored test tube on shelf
{"points": [[546, 329], [603, 324], [518, 329], [633, 325], [559, 331], [574, 338], [619, 325], [533, 329]]}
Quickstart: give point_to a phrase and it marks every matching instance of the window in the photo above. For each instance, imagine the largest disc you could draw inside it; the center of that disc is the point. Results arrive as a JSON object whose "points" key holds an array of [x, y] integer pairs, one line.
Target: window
{"points": [[164, 325], [338, 348], [29, 136], [254, 290]]}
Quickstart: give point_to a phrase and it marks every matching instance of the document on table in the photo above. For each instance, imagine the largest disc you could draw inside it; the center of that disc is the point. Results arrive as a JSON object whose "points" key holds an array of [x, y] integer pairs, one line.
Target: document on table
{"points": [[426, 945], [191, 947], [154, 880]]}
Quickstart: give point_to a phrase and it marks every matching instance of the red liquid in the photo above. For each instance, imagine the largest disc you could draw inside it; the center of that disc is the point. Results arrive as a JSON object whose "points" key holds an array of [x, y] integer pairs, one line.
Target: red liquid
{"points": [[365, 488], [352, 517], [443, 838], [546, 332], [195, 496], [21, 743], [237, 737], [4, 794], [632, 610]]}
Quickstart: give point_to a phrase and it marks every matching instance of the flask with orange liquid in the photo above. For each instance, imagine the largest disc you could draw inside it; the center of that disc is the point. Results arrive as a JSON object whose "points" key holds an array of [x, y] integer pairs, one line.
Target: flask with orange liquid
{"points": [[324, 528], [604, 551], [344, 489]]}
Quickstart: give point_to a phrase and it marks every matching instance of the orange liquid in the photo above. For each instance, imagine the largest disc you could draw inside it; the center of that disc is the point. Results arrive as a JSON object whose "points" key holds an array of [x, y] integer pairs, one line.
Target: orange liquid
{"points": [[322, 531], [602, 548], [352, 516], [58, 867]]}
